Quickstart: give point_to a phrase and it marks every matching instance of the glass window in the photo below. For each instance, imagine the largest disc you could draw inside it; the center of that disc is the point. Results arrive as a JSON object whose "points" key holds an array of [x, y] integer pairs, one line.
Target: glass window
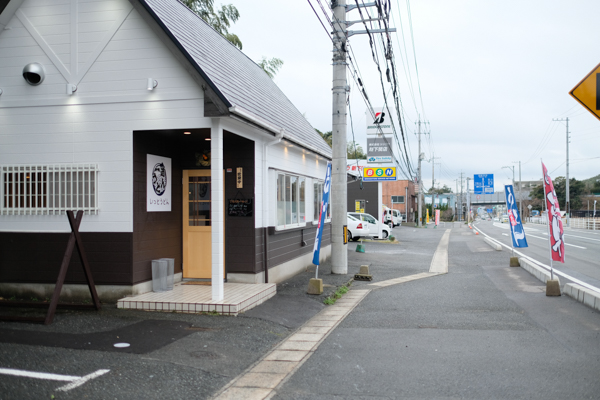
{"points": [[290, 200], [398, 199]]}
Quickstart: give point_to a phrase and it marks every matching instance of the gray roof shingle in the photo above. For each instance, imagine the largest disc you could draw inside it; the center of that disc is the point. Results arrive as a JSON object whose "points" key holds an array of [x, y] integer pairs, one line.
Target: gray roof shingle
{"points": [[237, 79]]}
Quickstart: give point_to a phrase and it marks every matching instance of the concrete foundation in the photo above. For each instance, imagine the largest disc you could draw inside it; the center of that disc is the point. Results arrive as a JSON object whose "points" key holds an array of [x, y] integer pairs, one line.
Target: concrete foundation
{"points": [[514, 262], [552, 287], [315, 286]]}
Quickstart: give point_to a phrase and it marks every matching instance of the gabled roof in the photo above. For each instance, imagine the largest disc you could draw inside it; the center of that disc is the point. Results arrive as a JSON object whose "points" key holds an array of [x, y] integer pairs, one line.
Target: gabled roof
{"points": [[240, 84]]}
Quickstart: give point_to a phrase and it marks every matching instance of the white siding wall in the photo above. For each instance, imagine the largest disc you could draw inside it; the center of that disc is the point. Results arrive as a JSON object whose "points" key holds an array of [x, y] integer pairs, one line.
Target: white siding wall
{"points": [[115, 53]]}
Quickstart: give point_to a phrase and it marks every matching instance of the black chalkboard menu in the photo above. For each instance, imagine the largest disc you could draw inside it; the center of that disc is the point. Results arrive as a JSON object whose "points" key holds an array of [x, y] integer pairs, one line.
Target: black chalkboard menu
{"points": [[239, 207]]}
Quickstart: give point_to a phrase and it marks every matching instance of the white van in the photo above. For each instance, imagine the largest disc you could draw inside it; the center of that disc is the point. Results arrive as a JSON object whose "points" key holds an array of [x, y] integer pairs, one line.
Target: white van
{"points": [[392, 216]]}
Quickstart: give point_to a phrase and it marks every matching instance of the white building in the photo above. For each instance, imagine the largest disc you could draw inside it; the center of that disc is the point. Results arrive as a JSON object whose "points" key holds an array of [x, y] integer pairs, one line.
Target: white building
{"points": [[91, 93]]}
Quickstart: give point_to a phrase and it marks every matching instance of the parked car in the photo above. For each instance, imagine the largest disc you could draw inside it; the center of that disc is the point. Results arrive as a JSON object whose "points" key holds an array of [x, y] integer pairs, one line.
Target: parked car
{"points": [[356, 228], [392, 216], [372, 224]]}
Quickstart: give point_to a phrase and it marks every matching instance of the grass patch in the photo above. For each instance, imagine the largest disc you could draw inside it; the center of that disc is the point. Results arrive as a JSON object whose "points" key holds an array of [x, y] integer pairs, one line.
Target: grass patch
{"points": [[342, 290]]}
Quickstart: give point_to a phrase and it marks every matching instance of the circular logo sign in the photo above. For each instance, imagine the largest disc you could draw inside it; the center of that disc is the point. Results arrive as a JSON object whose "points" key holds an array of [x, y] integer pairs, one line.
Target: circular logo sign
{"points": [[379, 172], [159, 179]]}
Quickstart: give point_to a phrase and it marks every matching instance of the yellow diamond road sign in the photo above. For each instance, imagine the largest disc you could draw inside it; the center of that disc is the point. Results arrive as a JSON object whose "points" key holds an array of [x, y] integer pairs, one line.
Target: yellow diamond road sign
{"points": [[587, 92]]}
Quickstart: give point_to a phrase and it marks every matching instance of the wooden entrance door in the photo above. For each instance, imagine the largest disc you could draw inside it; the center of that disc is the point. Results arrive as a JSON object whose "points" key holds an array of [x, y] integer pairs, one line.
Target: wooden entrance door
{"points": [[197, 249]]}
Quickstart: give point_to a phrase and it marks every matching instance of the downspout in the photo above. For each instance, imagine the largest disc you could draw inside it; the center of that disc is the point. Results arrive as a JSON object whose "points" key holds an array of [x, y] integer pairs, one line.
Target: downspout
{"points": [[278, 137]]}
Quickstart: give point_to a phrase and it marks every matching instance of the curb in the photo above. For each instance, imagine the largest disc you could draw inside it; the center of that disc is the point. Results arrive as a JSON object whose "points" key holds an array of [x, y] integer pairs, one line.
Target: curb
{"points": [[583, 295], [493, 244], [540, 273]]}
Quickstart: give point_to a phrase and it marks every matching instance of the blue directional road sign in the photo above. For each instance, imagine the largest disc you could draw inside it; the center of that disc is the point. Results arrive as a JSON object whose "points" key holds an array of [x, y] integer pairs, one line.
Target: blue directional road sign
{"points": [[483, 183]]}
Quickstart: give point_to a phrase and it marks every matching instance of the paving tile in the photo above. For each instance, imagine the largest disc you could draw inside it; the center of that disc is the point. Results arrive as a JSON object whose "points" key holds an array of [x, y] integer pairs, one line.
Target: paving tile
{"points": [[283, 367], [286, 355], [306, 337], [238, 393], [314, 329], [260, 380], [296, 346]]}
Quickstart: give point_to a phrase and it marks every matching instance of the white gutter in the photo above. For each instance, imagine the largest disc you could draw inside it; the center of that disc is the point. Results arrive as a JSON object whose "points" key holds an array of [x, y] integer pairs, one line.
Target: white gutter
{"points": [[257, 120], [237, 110]]}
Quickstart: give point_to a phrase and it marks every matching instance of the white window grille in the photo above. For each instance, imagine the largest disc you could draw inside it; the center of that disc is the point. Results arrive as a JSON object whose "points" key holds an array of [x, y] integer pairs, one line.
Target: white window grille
{"points": [[48, 189]]}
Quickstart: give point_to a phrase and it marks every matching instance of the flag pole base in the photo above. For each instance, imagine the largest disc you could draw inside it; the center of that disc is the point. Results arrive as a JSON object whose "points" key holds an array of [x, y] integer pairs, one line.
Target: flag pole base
{"points": [[315, 286], [360, 248], [514, 262], [553, 287]]}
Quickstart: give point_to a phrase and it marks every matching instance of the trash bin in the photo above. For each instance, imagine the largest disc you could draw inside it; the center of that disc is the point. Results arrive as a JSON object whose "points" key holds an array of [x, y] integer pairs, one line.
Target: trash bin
{"points": [[159, 275], [170, 272]]}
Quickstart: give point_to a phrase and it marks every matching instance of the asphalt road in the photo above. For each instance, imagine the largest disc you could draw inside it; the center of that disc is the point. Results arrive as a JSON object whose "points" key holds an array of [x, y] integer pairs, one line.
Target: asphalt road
{"points": [[582, 248], [484, 330]]}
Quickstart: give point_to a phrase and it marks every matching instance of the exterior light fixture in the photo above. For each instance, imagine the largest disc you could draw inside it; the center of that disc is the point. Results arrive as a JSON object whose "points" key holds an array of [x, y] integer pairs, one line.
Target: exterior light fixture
{"points": [[187, 133], [71, 89], [34, 74], [207, 139], [152, 84]]}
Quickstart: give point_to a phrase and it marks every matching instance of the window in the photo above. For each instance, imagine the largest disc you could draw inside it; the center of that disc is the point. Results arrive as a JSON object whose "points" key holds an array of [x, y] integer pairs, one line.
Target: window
{"points": [[398, 199], [291, 190], [318, 198], [48, 189]]}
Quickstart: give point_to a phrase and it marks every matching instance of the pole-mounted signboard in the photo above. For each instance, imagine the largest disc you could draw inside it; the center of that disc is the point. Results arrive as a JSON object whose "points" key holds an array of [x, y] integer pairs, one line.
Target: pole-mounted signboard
{"points": [[587, 92], [483, 183]]}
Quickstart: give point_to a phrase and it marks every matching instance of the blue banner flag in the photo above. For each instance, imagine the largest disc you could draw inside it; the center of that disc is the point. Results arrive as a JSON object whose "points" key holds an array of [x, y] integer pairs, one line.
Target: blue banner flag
{"points": [[516, 227], [322, 215]]}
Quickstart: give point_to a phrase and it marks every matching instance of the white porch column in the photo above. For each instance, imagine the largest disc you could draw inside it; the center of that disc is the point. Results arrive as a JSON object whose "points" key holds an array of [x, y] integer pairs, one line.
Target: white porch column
{"points": [[217, 214]]}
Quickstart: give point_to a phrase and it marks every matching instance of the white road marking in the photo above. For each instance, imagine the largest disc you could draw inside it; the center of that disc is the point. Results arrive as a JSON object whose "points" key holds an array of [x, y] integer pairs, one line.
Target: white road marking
{"points": [[82, 380], [439, 263], [580, 237], [566, 244], [76, 381], [38, 375], [505, 234]]}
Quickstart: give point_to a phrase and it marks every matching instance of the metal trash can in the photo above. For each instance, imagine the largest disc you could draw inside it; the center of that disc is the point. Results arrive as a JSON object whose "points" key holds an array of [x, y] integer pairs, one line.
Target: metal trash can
{"points": [[159, 275], [170, 272]]}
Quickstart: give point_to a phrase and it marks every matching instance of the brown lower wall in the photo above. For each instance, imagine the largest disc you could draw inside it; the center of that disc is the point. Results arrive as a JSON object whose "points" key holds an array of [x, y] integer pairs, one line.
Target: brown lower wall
{"points": [[36, 257], [285, 246]]}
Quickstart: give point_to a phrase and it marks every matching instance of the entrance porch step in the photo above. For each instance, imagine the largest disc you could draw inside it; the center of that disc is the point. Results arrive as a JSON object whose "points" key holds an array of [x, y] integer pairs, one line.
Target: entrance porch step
{"points": [[239, 297]]}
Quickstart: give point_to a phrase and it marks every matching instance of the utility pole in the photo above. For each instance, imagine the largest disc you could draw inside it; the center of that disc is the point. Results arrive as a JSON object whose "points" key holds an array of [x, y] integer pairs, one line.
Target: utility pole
{"points": [[339, 192], [461, 196], [420, 202], [468, 202], [567, 202], [520, 198]]}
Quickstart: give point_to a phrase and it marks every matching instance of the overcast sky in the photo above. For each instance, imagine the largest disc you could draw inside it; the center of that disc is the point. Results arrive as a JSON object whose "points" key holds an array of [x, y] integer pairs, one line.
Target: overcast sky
{"points": [[493, 74]]}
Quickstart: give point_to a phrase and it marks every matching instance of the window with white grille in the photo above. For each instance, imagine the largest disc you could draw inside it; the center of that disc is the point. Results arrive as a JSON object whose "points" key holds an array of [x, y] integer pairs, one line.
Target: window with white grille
{"points": [[48, 189]]}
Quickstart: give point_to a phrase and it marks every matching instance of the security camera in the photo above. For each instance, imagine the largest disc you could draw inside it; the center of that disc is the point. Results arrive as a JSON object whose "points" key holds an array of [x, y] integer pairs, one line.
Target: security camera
{"points": [[34, 74]]}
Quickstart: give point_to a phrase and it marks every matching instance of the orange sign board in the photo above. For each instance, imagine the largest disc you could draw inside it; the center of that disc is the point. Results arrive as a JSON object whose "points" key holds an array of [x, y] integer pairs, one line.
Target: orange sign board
{"points": [[587, 92]]}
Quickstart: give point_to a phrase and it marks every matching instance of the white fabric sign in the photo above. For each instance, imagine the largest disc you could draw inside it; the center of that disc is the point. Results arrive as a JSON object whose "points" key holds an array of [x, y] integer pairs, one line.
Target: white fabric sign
{"points": [[158, 178]]}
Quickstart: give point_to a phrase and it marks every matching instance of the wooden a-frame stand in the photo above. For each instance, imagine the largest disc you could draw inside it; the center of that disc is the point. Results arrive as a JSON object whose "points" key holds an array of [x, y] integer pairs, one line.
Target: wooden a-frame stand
{"points": [[74, 239]]}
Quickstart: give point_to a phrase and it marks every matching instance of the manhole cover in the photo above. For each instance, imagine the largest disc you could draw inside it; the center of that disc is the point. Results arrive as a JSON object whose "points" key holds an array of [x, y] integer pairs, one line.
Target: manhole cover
{"points": [[206, 355]]}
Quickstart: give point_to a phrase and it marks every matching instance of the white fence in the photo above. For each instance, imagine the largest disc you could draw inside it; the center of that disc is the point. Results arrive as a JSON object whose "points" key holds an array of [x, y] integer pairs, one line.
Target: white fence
{"points": [[578, 223]]}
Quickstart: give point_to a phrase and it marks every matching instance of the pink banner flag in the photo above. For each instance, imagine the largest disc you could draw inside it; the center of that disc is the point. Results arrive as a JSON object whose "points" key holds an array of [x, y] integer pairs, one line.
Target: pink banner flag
{"points": [[557, 244], [437, 217]]}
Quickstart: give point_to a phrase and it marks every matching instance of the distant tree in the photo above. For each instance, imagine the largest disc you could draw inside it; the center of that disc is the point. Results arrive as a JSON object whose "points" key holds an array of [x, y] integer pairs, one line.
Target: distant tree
{"points": [[270, 66], [442, 190], [576, 190], [595, 187], [220, 19], [327, 136], [355, 151]]}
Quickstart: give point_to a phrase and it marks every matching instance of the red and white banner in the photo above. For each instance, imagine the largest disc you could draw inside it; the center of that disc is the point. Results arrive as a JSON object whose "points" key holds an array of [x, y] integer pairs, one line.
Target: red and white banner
{"points": [[437, 217], [557, 244]]}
